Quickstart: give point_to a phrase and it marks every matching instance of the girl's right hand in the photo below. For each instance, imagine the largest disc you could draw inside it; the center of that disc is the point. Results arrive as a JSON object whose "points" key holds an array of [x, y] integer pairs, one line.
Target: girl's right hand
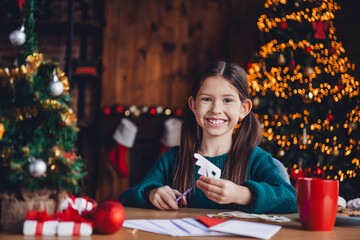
{"points": [[164, 198]]}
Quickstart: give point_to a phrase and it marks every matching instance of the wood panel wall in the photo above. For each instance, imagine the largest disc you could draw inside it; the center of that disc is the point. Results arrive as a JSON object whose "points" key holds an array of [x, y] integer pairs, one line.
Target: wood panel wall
{"points": [[152, 49]]}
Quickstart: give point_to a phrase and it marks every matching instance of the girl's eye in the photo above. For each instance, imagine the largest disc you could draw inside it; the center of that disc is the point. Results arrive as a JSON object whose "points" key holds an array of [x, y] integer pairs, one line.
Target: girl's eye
{"points": [[206, 99], [228, 100]]}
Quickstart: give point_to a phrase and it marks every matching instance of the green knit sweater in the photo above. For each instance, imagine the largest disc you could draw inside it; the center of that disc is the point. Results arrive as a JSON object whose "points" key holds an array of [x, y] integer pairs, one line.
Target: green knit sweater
{"points": [[271, 194]]}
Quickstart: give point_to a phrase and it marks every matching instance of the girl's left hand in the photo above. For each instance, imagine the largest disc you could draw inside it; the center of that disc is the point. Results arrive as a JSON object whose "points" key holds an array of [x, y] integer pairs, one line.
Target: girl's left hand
{"points": [[224, 191]]}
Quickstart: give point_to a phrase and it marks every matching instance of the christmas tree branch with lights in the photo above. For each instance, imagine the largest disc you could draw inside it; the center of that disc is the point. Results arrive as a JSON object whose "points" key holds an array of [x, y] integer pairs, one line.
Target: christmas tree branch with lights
{"points": [[305, 93]]}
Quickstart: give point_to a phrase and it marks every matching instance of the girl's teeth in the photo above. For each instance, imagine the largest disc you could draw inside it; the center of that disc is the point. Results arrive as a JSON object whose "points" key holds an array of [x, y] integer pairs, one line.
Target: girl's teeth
{"points": [[216, 121]]}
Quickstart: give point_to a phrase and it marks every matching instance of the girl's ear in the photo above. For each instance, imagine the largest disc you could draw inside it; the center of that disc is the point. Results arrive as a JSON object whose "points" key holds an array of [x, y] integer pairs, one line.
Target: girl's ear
{"points": [[191, 103], [246, 107]]}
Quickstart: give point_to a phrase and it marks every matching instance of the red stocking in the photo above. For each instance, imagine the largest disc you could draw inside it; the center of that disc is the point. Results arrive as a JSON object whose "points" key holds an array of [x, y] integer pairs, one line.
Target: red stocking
{"points": [[124, 137], [117, 159]]}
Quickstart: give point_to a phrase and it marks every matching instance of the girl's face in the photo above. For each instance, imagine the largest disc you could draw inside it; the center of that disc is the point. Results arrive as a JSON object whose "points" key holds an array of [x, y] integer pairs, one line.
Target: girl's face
{"points": [[218, 107]]}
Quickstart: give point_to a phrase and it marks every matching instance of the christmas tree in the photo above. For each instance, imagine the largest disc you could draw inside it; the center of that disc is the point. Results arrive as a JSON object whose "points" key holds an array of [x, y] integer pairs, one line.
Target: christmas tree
{"points": [[305, 94], [37, 128]]}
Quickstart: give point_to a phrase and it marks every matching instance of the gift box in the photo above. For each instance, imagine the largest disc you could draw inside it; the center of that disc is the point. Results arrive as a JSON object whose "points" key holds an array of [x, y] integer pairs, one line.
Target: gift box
{"points": [[74, 229], [72, 224], [78, 203], [39, 223], [46, 228]]}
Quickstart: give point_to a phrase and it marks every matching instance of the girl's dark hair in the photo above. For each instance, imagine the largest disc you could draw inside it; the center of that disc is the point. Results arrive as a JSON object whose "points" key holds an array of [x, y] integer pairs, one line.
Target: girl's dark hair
{"points": [[244, 139]]}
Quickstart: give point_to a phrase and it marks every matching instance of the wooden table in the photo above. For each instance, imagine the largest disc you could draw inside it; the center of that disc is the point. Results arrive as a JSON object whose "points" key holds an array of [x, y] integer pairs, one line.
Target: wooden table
{"points": [[289, 231]]}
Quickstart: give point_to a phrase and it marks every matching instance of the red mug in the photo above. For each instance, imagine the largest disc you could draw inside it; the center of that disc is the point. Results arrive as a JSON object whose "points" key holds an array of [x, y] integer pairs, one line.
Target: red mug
{"points": [[317, 203]]}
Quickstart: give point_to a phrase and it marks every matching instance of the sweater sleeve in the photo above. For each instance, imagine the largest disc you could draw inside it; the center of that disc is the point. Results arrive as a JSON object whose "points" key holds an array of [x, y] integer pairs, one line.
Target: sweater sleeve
{"points": [[158, 176], [271, 193]]}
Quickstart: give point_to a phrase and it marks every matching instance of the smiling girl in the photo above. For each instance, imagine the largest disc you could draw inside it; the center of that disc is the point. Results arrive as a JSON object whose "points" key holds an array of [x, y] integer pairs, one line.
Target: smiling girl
{"points": [[220, 126]]}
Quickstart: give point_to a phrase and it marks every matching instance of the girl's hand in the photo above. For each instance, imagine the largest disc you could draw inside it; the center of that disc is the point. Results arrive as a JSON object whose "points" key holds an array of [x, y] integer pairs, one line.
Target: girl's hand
{"points": [[164, 198], [224, 191]]}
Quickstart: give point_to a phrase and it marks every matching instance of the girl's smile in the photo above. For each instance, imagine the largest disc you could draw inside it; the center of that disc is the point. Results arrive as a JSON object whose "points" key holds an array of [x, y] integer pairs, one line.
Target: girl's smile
{"points": [[215, 122]]}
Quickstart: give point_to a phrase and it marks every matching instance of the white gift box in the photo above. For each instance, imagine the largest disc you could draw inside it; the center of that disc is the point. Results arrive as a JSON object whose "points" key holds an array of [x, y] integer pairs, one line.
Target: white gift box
{"points": [[46, 228], [74, 229]]}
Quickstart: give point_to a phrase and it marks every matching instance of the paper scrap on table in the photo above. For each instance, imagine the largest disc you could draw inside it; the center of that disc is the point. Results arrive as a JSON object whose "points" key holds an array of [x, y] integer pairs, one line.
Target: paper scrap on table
{"points": [[207, 168]]}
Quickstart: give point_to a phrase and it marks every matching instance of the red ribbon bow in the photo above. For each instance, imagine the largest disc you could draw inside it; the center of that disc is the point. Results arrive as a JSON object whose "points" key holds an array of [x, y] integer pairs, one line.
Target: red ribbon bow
{"points": [[38, 216], [72, 215]]}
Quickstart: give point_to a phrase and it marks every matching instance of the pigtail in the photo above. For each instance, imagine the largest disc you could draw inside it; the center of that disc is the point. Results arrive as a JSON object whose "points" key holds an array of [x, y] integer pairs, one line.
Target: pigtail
{"points": [[245, 139]]}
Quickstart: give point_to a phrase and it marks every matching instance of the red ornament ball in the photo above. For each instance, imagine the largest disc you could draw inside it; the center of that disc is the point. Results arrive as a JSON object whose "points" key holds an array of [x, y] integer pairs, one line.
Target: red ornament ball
{"points": [[292, 65], [332, 50], [283, 25], [249, 65], [109, 217], [330, 117], [307, 50]]}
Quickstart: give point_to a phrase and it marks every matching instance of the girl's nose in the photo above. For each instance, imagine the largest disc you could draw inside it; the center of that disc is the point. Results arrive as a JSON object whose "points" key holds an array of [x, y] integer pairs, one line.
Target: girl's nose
{"points": [[216, 107]]}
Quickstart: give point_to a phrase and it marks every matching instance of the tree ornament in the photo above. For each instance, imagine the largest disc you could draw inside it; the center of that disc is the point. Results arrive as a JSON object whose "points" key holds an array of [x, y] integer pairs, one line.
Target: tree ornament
{"points": [[353, 126], [280, 153], [109, 217], [56, 86], [308, 97], [329, 116], [332, 50], [249, 65], [2, 130], [69, 118], [308, 71], [70, 157], [26, 151], [307, 50], [296, 173], [304, 137], [296, 4], [320, 28], [56, 151], [256, 102], [339, 87], [37, 167], [283, 25], [17, 37], [336, 152], [292, 65], [281, 59]]}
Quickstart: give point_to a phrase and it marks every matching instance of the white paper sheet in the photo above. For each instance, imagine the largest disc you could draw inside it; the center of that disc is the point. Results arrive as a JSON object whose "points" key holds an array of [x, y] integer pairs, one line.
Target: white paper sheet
{"points": [[192, 227], [249, 229]]}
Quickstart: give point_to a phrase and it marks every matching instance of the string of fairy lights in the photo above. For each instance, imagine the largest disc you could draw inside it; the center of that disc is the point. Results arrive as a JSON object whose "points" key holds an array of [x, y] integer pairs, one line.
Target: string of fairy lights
{"points": [[279, 80]]}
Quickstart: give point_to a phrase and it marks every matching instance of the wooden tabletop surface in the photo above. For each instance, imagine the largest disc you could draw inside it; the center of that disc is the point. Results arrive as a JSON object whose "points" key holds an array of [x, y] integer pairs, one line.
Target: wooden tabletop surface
{"points": [[290, 230]]}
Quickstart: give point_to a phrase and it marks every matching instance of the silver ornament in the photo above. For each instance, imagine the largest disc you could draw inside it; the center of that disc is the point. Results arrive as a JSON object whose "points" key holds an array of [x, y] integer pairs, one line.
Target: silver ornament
{"points": [[37, 167], [308, 71], [56, 87], [281, 59], [17, 37], [256, 102]]}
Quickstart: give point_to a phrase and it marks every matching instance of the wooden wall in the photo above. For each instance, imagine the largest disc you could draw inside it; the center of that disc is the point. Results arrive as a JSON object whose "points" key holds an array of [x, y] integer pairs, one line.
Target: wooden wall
{"points": [[153, 49]]}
